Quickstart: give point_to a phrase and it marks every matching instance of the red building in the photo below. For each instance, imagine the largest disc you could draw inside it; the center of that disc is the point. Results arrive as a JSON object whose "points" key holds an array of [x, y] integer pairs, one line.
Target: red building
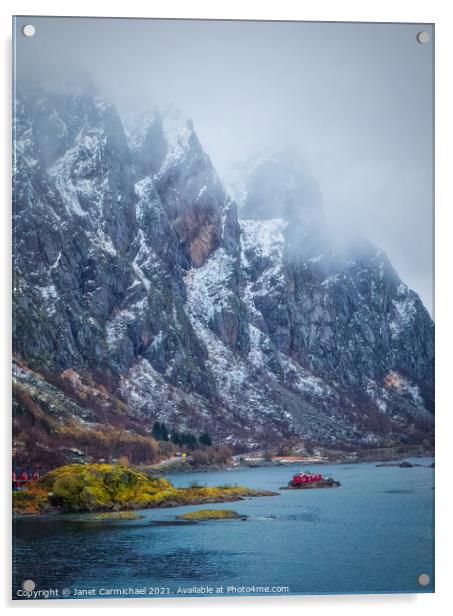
{"points": [[24, 478], [306, 478]]}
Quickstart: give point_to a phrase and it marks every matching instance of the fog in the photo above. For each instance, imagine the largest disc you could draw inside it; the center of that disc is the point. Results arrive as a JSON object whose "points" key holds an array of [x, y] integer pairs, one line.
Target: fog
{"points": [[354, 99]]}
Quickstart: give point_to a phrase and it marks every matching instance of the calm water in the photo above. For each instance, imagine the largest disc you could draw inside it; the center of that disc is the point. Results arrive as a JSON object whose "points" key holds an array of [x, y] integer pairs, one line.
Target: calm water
{"points": [[374, 534]]}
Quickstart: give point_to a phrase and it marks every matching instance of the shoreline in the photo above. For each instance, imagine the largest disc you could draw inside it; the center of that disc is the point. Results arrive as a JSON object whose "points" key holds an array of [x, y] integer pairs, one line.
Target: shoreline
{"points": [[362, 458], [233, 493], [170, 505], [95, 488]]}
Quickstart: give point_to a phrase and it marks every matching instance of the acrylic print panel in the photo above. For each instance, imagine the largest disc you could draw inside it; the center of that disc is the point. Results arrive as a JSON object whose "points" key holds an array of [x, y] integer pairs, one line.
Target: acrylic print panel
{"points": [[223, 327]]}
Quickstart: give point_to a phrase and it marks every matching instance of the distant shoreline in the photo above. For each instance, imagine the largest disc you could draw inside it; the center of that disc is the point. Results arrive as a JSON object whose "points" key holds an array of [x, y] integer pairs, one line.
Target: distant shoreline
{"points": [[391, 455]]}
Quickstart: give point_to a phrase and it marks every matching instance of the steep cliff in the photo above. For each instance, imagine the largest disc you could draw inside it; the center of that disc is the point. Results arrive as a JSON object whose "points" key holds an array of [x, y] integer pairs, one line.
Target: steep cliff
{"points": [[133, 272]]}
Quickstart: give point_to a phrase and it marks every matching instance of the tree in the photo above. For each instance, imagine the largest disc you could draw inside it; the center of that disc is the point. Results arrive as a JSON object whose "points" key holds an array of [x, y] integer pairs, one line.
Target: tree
{"points": [[176, 438], [164, 430], [160, 431], [205, 439], [156, 430], [189, 440]]}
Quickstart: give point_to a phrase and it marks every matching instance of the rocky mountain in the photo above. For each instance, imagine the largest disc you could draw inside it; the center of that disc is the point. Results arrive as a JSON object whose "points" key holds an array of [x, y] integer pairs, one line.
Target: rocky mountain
{"points": [[140, 294]]}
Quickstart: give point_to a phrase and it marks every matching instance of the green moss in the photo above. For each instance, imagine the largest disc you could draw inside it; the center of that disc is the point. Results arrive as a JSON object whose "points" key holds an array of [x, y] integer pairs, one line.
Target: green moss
{"points": [[211, 514], [89, 487], [105, 487], [30, 501], [118, 515]]}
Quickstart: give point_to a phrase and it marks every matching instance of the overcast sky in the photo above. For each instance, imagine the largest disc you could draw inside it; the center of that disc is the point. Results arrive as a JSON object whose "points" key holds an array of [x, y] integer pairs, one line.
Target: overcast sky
{"points": [[356, 100]]}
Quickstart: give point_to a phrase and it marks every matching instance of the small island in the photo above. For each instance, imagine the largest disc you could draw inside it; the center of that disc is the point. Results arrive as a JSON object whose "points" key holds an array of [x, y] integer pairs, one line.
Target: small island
{"points": [[306, 480], [403, 464], [211, 514], [115, 487], [116, 516]]}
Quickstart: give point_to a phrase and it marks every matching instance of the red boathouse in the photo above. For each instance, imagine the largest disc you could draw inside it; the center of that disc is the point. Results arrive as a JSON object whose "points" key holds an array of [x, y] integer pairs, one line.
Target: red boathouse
{"points": [[306, 478]]}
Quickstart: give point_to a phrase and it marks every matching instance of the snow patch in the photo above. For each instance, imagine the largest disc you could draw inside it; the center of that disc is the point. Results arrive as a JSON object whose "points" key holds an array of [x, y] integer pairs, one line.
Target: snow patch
{"points": [[264, 236], [207, 286], [145, 257], [404, 314], [103, 241], [86, 154], [178, 131]]}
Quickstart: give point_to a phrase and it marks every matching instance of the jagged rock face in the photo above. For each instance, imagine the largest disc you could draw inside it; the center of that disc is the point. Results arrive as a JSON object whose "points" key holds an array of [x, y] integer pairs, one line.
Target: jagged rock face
{"points": [[202, 215], [96, 268], [130, 262], [168, 150], [147, 144], [343, 313], [275, 184], [73, 224]]}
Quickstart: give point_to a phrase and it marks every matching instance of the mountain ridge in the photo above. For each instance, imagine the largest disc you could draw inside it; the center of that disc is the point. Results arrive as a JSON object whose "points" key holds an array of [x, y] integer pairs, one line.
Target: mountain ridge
{"points": [[133, 268]]}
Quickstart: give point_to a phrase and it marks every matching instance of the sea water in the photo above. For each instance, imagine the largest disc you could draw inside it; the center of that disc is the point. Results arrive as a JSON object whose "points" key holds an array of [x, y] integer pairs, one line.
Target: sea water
{"points": [[373, 534]]}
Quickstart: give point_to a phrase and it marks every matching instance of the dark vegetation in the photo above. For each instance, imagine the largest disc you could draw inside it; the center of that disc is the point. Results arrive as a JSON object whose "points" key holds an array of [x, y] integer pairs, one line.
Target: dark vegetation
{"points": [[80, 421]]}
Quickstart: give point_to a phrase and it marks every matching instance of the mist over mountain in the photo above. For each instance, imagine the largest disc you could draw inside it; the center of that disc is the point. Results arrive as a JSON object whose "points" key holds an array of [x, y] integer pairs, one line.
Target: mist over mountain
{"points": [[145, 290]]}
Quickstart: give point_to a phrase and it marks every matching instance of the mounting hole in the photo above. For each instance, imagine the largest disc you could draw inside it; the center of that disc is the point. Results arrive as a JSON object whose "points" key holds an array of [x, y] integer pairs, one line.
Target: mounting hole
{"points": [[423, 37], [29, 30], [423, 579], [28, 585]]}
